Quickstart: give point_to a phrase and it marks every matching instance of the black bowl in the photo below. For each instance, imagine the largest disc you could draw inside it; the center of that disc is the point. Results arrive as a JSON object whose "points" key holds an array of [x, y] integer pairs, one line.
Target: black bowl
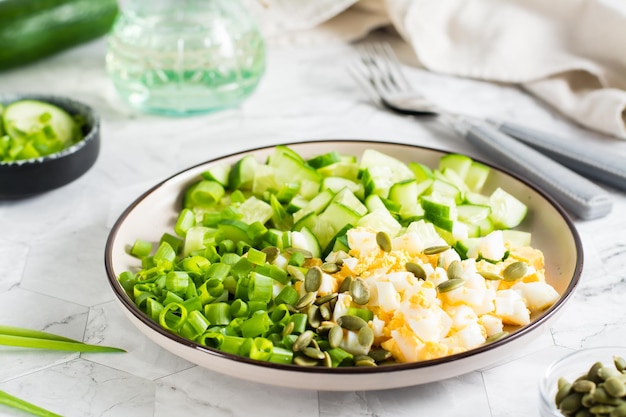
{"points": [[33, 176]]}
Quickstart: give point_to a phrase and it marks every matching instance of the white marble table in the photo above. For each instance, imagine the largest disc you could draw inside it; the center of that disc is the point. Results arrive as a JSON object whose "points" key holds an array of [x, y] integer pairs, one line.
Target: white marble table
{"points": [[52, 246]]}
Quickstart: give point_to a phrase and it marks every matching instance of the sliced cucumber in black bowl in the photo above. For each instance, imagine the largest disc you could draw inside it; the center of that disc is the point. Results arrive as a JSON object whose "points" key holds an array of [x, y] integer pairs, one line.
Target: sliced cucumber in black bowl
{"points": [[46, 142]]}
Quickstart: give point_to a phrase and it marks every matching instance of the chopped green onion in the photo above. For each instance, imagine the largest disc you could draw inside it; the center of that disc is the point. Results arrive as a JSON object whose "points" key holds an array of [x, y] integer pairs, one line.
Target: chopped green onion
{"points": [[288, 295], [339, 357], [218, 313], [256, 257], [211, 339], [257, 325], [260, 287], [141, 248], [36, 343], [173, 316], [164, 256], [261, 349], [174, 241], [299, 322], [281, 355], [239, 308], [186, 220], [19, 404]]}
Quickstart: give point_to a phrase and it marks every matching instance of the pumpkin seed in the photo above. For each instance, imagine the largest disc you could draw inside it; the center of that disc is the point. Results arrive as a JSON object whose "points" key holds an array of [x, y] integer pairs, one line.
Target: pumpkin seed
{"points": [[330, 268], [584, 386], [335, 336], [588, 400], [295, 272], [313, 353], [619, 411], [314, 318], [305, 301], [614, 386], [350, 322], [601, 396], [325, 298], [325, 311], [305, 361], [337, 257], [496, 336], [515, 271], [601, 409], [379, 355], [384, 241], [345, 285], [365, 337], [288, 328], [606, 372], [491, 276], [313, 279], [303, 340], [450, 285], [416, 269], [328, 362], [364, 360], [271, 253], [564, 390], [571, 403], [455, 270], [619, 362], [592, 374], [306, 253], [433, 250], [359, 291]]}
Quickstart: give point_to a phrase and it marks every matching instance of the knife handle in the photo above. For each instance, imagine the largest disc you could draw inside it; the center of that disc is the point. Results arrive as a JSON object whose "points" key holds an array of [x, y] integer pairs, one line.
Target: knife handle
{"points": [[606, 167], [575, 193]]}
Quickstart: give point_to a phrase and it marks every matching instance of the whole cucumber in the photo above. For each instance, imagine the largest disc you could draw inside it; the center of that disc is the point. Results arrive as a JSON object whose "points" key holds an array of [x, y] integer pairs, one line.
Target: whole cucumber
{"points": [[34, 29]]}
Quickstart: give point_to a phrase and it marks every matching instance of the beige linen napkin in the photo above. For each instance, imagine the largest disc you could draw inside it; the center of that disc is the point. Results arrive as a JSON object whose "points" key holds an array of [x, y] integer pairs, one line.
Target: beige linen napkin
{"points": [[569, 53]]}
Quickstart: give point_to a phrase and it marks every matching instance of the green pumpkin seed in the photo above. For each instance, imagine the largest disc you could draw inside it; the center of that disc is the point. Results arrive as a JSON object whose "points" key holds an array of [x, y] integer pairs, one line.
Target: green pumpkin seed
{"points": [[328, 362], [325, 311], [324, 329], [305, 301], [305, 361], [306, 253], [325, 298], [364, 360], [384, 241], [571, 403], [606, 372], [295, 273], [491, 276], [313, 279], [335, 336], [313, 353], [366, 337], [455, 270], [416, 269], [337, 257], [345, 285], [564, 390], [592, 374], [271, 253], [620, 363], [379, 355], [314, 318], [288, 329], [619, 411], [615, 387], [588, 400], [601, 396], [359, 291], [450, 285], [496, 336], [303, 340], [433, 250], [350, 322], [601, 409], [515, 271], [330, 268], [584, 386]]}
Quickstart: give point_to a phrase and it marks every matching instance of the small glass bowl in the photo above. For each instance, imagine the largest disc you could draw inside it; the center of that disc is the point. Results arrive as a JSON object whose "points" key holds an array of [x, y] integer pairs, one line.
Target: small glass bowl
{"points": [[572, 366]]}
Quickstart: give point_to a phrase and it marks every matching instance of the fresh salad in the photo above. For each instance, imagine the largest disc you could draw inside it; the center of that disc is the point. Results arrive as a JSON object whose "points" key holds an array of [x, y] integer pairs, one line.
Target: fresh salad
{"points": [[342, 260], [32, 128]]}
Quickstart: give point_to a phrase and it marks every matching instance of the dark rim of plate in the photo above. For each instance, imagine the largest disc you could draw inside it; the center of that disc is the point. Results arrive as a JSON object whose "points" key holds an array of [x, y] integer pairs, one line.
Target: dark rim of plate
{"points": [[545, 315]]}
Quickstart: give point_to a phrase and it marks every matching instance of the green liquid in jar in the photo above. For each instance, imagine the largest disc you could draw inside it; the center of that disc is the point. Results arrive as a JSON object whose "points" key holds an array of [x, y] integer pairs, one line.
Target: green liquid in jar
{"points": [[185, 62]]}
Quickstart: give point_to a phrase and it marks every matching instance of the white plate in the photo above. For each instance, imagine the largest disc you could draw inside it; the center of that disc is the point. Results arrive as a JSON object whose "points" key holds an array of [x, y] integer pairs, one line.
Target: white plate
{"points": [[155, 212]]}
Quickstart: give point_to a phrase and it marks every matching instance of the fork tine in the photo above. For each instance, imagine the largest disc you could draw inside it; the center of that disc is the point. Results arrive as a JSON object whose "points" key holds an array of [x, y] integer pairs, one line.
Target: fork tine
{"points": [[393, 66], [361, 75], [384, 68]]}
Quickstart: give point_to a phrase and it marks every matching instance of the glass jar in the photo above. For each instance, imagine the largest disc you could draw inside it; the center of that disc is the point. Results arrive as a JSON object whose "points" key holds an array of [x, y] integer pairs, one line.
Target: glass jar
{"points": [[184, 57]]}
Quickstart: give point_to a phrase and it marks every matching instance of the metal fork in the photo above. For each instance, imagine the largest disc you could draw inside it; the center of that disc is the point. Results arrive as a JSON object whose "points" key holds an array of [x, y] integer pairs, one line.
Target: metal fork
{"points": [[378, 71]]}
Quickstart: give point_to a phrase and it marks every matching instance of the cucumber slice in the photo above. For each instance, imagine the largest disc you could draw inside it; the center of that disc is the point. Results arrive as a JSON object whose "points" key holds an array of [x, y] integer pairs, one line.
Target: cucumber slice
{"points": [[305, 239], [264, 180], [458, 163], [255, 210], [516, 237], [336, 184], [406, 193], [439, 206], [421, 171], [25, 117], [218, 173], [324, 159], [373, 158], [477, 176], [381, 221], [316, 205], [472, 197], [472, 213], [332, 219], [349, 199], [241, 176], [506, 210], [343, 169]]}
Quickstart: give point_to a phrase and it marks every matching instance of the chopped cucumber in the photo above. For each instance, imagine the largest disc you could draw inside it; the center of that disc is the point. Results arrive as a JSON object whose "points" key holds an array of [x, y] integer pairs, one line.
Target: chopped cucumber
{"points": [[506, 210]]}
